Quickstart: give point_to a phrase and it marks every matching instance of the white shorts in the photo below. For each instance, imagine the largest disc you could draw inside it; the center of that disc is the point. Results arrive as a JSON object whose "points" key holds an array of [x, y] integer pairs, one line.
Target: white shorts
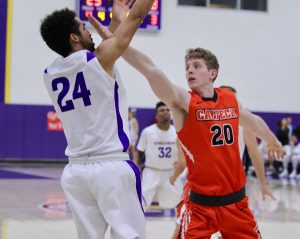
{"points": [[156, 182], [105, 193]]}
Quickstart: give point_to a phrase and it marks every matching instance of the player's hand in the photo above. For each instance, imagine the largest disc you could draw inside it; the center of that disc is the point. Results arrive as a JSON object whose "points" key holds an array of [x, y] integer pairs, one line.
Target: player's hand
{"points": [[172, 179], [266, 191], [102, 31], [275, 150], [120, 9]]}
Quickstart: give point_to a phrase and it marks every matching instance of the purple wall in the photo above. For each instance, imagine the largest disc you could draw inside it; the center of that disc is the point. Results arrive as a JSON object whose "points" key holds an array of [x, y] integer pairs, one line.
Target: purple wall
{"points": [[24, 134], [272, 119]]}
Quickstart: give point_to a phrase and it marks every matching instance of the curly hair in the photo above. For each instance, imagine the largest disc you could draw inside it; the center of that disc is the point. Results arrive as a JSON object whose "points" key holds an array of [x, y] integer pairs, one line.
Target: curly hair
{"points": [[56, 29], [209, 58]]}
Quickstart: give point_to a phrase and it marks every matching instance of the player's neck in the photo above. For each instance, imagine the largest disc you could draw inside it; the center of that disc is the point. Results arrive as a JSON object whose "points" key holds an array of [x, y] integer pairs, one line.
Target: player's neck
{"points": [[205, 91], [163, 126], [76, 47]]}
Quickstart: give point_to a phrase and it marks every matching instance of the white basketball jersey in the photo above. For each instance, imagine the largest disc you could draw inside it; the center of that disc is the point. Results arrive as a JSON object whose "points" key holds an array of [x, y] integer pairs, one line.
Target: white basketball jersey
{"points": [[159, 146], [91, 104]]}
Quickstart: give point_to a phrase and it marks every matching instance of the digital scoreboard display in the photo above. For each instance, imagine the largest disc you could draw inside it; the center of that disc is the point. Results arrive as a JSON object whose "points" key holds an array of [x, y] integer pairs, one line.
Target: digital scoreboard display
{"points": [[101, 10]]}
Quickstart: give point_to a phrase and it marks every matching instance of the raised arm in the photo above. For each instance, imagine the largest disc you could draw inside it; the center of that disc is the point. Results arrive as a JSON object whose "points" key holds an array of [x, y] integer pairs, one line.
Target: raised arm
{"points": [[112, 48], [260, 129]]}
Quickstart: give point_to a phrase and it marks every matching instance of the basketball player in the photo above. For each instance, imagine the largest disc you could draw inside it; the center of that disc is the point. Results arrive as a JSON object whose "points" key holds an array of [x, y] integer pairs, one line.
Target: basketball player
{"points": [[101, 185], [206, 120], [245, 138], [158, 143]]}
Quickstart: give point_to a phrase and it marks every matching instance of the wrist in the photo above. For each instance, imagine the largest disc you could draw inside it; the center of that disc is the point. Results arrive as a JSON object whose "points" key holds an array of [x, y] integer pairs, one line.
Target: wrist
{"points": [[113, 25]]}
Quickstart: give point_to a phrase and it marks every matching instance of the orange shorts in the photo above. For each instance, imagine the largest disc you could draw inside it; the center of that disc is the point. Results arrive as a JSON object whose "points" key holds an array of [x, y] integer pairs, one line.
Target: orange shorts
{"points": [[181, 205], [234, 221]]}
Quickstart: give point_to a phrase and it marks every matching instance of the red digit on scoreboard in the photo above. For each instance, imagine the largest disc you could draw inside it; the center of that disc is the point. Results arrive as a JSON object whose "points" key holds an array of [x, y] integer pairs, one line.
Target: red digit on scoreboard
{"points": [[97, 3], [153, 20], [89, 2], [93, 3], [88, 13]]}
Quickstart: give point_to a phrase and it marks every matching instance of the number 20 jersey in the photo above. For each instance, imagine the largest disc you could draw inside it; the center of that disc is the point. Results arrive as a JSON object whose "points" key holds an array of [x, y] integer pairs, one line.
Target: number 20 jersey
{"points": [[90, 103], [209, 140]]}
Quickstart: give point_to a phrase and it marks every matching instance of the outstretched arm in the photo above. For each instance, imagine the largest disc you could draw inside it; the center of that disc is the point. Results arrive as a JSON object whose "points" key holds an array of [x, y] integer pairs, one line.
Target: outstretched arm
{"points": [[173, 95], [112, 48], [258, 163], [260, 129]]}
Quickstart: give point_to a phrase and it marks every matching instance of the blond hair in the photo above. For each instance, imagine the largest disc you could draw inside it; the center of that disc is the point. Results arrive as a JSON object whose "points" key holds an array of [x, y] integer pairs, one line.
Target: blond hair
{"points": [[209, 58]]}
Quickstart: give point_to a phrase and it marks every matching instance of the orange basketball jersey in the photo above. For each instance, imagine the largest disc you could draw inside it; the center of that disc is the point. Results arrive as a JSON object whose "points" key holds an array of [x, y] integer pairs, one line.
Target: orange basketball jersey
{"points": [[210, 143]]}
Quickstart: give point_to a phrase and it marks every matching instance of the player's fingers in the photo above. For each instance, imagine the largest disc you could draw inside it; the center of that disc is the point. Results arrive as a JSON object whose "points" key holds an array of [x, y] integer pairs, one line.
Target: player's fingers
{"points": [[130, 3], [272, 196], [93, 21], [271, 154], [281, 153], [102, 31]]}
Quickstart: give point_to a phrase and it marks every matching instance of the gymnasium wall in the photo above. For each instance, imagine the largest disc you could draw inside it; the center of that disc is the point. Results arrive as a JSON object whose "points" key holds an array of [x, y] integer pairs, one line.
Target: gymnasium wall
{"points": [[258, 53]]}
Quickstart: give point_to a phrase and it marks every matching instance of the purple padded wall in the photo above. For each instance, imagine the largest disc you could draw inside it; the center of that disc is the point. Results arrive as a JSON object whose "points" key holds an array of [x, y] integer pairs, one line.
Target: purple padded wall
{"points": [[24, 134], [272, 119]]}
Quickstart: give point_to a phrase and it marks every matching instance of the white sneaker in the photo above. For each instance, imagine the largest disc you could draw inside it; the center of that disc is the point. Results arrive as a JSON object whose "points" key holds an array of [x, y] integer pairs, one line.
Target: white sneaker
{"points": [[293, 174], [283, 174]]}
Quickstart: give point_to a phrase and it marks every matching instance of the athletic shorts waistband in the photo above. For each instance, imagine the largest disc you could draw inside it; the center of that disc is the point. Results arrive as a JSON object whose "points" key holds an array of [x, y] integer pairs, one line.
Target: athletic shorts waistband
{"points": [[97, 158], [160, 169], [205, 200]]}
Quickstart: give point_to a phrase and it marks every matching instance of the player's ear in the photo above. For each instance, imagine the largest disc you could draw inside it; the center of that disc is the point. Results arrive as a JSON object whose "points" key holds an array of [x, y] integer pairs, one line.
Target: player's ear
{"points": [[74, 37], [214, 73]]}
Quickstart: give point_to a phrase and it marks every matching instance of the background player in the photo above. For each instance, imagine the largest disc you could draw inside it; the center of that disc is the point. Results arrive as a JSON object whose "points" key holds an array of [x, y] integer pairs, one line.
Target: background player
{"points": [[158, 144]]}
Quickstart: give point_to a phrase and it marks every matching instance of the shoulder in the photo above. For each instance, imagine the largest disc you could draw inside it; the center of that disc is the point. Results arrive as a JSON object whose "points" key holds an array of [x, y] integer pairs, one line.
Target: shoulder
{"points": [[227, 96], [225, 92], [172, 128], [82, 55], [149, 129]]}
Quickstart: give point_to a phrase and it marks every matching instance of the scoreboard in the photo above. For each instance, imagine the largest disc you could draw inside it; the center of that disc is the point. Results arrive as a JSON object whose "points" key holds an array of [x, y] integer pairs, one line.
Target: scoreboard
{"points": [[101, 10]]}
